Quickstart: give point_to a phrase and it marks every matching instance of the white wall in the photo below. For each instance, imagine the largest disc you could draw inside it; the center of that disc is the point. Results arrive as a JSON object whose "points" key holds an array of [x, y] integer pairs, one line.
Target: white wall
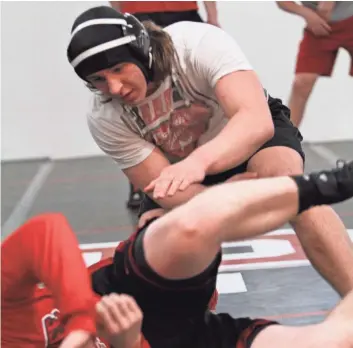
{"points": [[44, 104], [270, 38]]}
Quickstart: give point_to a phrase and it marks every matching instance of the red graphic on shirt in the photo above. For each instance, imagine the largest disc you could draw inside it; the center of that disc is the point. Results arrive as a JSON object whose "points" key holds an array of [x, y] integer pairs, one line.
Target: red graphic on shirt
{"points": [[176, 126]]}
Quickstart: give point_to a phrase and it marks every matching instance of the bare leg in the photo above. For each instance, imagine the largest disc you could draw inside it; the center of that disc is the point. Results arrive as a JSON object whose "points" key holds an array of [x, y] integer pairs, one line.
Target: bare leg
{"points": [[189, 237], [335, 332], [192, 233], [321, 232], [302, 87], [327, 245]]}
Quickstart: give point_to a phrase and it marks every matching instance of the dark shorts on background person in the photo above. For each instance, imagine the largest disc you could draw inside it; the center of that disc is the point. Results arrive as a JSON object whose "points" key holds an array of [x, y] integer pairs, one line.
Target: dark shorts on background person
{"points": [[317, 55], [164, 19], [286, 134]]}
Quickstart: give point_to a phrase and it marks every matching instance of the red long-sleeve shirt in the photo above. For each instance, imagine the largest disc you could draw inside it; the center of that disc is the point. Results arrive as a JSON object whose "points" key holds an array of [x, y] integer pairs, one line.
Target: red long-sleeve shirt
{"points": [[45, 288], [44, 251]]}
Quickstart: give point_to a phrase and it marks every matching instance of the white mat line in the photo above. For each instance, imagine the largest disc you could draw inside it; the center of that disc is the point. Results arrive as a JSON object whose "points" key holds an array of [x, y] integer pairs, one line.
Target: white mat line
{"points": [[20, 213]]}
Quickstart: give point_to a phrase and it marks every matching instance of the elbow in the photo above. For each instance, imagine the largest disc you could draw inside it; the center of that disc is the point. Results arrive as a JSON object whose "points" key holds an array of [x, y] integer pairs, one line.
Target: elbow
{"points": [[266, 131], [269, 130]]}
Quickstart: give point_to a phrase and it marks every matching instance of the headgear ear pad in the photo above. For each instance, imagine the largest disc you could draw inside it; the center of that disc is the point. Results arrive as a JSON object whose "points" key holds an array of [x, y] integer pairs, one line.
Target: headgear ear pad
{"points": [[102, 37]]}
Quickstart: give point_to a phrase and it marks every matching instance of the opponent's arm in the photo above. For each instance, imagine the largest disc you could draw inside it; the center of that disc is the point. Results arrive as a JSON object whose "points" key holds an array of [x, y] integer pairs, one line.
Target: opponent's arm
{"points": [[45, 250]]}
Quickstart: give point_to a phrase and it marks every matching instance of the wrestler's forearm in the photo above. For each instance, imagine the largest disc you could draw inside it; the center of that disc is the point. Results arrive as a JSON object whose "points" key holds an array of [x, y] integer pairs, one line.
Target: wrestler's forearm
{"points": [[46, 251], [180, 197], [244, 134]]}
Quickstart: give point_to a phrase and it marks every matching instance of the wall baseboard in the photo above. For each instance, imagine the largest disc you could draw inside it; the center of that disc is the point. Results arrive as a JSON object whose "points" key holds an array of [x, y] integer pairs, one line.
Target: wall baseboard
{"points": [[26, 160]]}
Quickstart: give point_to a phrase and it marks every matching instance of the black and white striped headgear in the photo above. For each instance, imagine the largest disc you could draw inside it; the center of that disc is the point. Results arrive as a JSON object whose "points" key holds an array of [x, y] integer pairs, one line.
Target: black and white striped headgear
{"points": [[102, 37]]}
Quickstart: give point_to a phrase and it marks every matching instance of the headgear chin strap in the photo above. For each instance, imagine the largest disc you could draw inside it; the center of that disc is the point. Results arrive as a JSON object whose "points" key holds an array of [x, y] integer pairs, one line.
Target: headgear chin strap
{"points": [[102, 37]]}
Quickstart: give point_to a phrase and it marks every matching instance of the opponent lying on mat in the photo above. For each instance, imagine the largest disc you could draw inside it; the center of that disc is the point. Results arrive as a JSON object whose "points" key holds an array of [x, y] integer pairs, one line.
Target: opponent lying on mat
{"points": [[170, 268]]}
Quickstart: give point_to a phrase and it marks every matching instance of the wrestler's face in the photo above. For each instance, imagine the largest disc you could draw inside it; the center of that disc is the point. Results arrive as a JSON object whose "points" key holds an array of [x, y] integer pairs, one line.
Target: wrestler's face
{"points": [[124, 80]]}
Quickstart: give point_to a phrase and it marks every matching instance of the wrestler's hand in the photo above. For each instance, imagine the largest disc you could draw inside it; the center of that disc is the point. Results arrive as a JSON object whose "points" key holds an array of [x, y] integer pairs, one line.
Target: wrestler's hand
{"points": [[78, 339], [149, 215], [176, 177], [120, 320]]}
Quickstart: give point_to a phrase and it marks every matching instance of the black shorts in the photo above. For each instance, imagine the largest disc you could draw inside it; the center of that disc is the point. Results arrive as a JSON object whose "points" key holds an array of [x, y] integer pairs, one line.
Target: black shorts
{"points": [[176, 312], [286, 134]]}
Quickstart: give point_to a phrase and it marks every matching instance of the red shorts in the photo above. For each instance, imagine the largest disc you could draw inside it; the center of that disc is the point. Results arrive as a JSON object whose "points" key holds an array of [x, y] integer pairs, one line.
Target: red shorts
{"points": [[318, 54]]}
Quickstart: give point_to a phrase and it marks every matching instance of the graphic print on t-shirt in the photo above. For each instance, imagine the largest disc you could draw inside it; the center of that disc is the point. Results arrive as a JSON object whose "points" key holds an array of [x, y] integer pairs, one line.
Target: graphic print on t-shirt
{"points": [[54, 330], [175, 123]]}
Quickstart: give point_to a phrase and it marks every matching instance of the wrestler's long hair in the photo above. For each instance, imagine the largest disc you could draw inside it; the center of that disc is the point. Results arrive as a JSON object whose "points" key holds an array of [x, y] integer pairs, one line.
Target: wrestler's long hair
{"points": [[164, 55]]}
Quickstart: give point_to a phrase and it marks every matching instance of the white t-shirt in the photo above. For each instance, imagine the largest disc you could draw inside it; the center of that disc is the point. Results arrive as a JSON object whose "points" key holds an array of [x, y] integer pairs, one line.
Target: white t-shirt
{"points": [[183, 112]]}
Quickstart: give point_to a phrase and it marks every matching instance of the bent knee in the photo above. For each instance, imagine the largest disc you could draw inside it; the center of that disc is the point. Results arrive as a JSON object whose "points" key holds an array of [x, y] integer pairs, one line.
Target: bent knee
{"points": [[276, 161], [184, 250]]}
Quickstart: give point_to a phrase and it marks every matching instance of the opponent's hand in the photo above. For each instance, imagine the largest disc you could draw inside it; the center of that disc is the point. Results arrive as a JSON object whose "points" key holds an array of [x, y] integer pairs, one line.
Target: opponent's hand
{"points": [[120, 320], [149, 215], [176, 177], [78, 339], [316, 24]]}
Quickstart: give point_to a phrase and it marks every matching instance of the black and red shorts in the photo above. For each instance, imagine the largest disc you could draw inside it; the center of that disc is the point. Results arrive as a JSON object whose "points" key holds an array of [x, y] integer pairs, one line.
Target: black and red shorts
{"points": [[176, 312]]}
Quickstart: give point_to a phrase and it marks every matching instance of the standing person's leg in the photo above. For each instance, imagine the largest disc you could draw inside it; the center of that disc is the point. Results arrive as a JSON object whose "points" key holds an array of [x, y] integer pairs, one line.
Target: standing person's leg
{"points": [[345, 30], [315, 58], [321, 232]]}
